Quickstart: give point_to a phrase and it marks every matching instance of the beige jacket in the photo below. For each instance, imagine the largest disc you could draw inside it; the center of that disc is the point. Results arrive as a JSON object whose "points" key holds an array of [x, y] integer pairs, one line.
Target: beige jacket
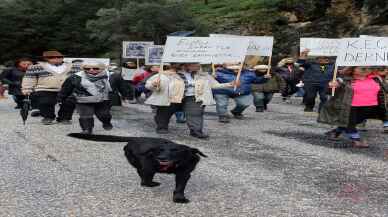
{"points": [[39, 77], [172, 87]]}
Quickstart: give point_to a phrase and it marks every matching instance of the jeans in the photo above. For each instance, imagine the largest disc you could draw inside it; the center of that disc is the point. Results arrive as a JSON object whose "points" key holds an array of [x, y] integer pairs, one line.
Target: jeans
{"points": [[222, 101], [261, 99]]}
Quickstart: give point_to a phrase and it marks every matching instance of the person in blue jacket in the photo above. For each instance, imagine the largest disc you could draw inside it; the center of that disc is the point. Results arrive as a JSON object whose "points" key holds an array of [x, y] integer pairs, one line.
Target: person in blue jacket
{"points": [[316, 78], [241, 95]]}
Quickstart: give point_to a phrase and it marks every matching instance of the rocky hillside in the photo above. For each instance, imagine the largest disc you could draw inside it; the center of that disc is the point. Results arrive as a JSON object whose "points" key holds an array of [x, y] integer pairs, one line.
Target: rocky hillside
{"points": [[288, 20]]}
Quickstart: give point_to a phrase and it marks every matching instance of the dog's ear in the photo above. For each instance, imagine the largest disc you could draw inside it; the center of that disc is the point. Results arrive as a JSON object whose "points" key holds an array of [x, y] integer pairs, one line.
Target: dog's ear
{"points": [[196, 151]]}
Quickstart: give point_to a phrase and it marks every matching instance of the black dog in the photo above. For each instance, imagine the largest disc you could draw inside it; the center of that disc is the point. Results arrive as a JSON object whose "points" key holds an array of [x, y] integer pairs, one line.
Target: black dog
{"points": [[156, 155]]}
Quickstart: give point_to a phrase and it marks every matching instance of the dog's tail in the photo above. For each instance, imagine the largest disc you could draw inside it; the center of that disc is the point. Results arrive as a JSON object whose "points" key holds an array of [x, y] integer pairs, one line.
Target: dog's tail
{"points": [[100, 138], [197, 151]]}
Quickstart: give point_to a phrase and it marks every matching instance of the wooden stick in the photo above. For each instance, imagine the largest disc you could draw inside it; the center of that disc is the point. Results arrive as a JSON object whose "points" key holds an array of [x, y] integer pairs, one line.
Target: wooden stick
{"points": [[269, 65], [238, 76], [334, 79], [213, 70]]}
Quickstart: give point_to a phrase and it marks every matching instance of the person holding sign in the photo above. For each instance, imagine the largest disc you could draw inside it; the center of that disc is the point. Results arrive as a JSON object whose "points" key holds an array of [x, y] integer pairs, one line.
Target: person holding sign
{"points": [[316, 78], [188, 90], [360, 95], [241, 95]]}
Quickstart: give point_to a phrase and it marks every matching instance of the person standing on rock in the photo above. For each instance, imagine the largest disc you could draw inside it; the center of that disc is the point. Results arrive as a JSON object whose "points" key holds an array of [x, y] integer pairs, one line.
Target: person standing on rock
{"points": [[13, 77], [91, 89], [188, 90], [316, 77], [45, 79]]}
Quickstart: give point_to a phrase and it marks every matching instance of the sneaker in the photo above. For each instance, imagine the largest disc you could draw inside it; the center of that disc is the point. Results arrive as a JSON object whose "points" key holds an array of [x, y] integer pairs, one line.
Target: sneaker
{"points": [[238, 116], [107, 126], [259, 109], [35, 114], [161, 131], [223, 119], [88, 131], [47, 121], [333, 134], [199, 135], [359, 144]]}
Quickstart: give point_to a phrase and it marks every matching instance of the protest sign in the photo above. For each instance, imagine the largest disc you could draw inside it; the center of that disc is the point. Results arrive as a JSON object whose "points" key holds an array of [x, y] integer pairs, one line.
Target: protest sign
{"points": [[154, 54], [369, 51], [135, 49], [320, 46], [205, 50], [258, 45], [105, 61]]}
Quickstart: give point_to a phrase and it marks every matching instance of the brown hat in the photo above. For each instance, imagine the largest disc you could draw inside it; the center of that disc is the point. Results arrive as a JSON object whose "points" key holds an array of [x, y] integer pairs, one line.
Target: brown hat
{"points": [[52, 53]]}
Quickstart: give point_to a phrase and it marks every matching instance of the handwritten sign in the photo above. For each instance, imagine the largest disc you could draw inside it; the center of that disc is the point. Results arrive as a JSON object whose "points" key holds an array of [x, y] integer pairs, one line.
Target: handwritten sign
{"points": [[105, 61], [367, 51], [258, 45], [205, 50], [320, 46], [154, 54], [135, 49]]}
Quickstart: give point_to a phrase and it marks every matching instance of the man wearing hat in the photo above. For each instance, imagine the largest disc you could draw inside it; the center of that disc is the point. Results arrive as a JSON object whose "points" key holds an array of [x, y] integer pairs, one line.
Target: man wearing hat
{"points": [[45, 80], [291, 73]]}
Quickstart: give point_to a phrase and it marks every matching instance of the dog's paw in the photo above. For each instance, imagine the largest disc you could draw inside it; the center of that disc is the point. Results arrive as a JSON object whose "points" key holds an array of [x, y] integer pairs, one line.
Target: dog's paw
{"points": [[151, 184], [178, 198]]}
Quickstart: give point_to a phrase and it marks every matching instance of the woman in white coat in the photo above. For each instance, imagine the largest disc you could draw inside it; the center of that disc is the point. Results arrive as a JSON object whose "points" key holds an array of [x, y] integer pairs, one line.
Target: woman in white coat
{"points": [[187, 90]]}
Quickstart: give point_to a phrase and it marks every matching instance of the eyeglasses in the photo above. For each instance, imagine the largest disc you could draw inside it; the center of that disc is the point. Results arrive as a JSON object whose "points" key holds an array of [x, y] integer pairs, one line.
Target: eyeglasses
{"points": [[87, 69], [55, 57]]}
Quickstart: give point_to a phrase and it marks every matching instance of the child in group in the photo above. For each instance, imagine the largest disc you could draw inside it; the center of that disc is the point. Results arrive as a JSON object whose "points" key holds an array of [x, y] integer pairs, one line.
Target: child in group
{"points": [[359, 95]]}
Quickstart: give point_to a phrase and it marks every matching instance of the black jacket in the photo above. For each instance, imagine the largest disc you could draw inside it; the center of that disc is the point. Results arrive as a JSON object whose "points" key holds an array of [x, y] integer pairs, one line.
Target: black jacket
{"points": [[13, 77], [314, 75], [73, 85]]}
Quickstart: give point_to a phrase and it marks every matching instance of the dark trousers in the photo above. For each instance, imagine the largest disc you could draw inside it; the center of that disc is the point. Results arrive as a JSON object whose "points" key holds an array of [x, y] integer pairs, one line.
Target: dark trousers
{"points": [[66, 109], [101, 110], [359, 115], [194, 114], [311, 91], [47, 100], [19, 100], [290, 89]]}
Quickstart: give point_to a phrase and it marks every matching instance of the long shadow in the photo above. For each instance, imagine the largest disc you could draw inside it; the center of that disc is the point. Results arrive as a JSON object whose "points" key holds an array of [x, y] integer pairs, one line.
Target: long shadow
{"points": [[375, 151]]}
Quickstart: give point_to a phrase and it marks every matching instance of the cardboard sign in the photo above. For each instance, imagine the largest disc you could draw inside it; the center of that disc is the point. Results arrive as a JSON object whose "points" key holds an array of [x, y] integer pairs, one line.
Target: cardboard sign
{"points": [[105, 61], [258, 45], [320, 46], [135, 49], [205, 50], [154, 54], [367, 51]]}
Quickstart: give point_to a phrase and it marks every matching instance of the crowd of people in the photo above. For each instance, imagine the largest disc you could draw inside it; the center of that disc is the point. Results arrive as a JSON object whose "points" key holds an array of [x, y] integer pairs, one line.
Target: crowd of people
{"points": [[184, 89]]}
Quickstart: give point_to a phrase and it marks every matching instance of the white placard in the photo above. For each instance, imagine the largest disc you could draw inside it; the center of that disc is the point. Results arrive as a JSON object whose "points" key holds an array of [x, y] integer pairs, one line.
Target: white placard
{"points": [[205, 50], [105, 61], [154, 54], [367, 51], [135, 49], [258, 45], [320, 46]]}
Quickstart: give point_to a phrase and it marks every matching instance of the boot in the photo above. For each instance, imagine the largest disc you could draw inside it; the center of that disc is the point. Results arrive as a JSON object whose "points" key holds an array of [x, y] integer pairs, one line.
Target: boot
{"points": [[87, 125], [106, 124]]}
